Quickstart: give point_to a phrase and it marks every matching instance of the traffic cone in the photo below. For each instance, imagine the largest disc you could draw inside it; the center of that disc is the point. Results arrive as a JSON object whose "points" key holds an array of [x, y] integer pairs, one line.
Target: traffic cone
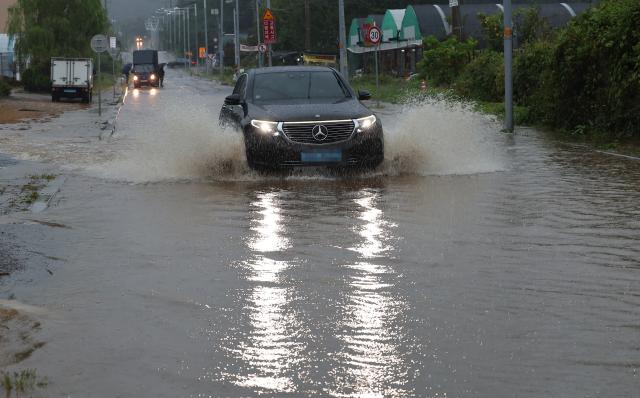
{"points": [[423, 85]]}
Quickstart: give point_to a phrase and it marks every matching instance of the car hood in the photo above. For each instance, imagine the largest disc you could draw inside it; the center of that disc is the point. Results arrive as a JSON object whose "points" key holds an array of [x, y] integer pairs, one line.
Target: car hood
{"points": [[299, 111]]}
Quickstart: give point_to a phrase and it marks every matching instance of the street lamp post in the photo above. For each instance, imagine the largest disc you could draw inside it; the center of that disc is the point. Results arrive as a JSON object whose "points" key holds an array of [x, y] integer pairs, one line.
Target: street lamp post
{"points": [[236, 31], [188, 52], [195, 16], [206, 37], [221, 38]]}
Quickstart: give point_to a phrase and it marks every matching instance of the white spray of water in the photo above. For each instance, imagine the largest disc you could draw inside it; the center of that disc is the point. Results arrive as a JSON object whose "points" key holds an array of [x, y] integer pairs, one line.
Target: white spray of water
{"points": [[436, 137], [440, 137], [181, 141], [173, 134]]}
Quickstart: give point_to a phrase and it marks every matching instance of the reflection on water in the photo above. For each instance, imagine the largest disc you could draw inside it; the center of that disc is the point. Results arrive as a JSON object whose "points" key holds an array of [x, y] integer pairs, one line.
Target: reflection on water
{"points": [[267, 226], [372, 365], [269, 351]]}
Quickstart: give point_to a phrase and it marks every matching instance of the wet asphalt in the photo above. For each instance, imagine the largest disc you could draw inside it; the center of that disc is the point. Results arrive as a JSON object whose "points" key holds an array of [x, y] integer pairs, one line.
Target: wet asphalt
{"points": [[176, 272]]}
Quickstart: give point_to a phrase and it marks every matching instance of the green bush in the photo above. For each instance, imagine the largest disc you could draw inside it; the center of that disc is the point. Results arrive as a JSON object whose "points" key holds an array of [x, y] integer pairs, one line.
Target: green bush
{"points": [[443, 61], [492, 30], [5, 88], [596, 71], [529, 26], [35, 79], [483, 78]]}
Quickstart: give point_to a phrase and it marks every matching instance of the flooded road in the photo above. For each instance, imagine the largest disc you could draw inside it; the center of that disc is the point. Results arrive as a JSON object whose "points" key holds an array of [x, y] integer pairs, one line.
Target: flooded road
{"points": [[472, 264]]}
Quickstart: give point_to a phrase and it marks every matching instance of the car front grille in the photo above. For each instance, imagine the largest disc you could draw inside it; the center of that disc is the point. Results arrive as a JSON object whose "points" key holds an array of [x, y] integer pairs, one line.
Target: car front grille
{"points": [[302, 133]]}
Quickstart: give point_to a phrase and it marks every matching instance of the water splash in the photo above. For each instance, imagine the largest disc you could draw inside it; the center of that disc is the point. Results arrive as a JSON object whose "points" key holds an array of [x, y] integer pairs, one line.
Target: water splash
{"points": [[441, 137]]}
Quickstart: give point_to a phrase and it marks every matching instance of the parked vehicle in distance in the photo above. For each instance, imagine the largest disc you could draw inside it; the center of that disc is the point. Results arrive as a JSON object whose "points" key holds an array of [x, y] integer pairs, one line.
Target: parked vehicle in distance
{"points": [[71, 78], [145, 70], [303, 116]]}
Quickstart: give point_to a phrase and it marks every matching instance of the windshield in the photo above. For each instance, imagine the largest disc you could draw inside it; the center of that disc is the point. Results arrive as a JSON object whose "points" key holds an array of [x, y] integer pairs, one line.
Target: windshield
{"points": [[144, 68], [298, 85]]}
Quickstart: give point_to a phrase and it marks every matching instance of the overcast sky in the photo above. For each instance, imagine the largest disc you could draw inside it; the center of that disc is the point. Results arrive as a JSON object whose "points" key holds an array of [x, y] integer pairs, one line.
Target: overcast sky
{"points": [[124, 10]]}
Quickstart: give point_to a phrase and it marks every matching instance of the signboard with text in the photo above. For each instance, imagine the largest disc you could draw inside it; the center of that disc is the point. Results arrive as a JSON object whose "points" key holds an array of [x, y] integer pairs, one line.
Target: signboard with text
{"points": [[269, 27]]}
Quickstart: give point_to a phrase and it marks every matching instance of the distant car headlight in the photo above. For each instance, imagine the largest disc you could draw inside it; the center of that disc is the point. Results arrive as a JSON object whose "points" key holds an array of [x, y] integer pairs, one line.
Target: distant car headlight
{"points": [[135, 77], [265, 127], [366, 123], [153, 77]]}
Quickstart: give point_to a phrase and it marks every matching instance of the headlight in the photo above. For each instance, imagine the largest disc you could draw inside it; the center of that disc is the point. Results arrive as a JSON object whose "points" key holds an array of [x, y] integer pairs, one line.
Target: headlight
{"points": [[153, 77], [366, 123], [135, 77], [265, 127]]}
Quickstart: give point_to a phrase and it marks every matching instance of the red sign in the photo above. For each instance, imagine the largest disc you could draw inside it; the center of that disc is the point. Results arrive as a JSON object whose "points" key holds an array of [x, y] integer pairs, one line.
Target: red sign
{"points": [[269, 27], [374, 35]]}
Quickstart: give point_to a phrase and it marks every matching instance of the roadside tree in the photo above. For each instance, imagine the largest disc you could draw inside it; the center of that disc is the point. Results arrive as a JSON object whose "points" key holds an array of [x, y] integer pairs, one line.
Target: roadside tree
{"points": [[53, 28]]}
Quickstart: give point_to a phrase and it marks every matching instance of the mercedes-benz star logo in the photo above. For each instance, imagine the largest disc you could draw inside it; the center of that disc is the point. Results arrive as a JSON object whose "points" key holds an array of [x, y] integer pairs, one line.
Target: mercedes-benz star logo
{"points": [[320, 132]]}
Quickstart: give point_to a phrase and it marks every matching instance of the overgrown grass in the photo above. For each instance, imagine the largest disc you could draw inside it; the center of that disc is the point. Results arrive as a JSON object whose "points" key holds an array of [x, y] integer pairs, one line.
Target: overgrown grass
{"points": [[17, 384], [103, 82], [225, 79], [521, 115], [5, 88], [393, 90]]}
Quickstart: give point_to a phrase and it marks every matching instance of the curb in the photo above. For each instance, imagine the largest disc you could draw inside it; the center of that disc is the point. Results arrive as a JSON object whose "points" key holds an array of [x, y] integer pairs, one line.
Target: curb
{"points": [[46, 195], [109, 125]]}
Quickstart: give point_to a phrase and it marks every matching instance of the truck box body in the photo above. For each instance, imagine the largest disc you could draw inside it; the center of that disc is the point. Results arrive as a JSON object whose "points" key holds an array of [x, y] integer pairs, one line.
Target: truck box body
{"points": [[145, 57], [71, 78]]}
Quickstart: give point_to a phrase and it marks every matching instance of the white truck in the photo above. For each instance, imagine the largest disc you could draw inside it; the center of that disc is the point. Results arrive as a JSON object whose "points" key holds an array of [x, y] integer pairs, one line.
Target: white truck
{"points": [[71, 78]]}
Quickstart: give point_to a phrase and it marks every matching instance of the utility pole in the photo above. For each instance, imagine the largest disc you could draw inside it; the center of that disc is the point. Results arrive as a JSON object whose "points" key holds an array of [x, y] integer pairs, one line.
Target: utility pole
{"points": [[508, 63], [184, 36], [344, 69], [236, 32], [307, 26], [456, 18], [206, 37]]}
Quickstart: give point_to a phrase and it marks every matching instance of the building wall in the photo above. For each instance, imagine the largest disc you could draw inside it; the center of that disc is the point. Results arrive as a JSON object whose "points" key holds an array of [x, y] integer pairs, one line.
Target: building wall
{"points": [[4, 8]]}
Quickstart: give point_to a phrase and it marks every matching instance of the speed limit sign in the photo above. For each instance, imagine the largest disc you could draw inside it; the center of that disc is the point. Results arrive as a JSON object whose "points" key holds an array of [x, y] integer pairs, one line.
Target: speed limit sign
{"points": [[375, 35]]}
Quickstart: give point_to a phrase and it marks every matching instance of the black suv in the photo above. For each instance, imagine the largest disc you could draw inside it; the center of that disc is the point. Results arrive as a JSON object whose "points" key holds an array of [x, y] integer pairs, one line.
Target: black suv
{"points": [[303, 116]]}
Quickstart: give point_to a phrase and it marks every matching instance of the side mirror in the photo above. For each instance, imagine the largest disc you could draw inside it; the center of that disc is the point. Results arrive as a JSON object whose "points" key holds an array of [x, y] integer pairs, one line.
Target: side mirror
{"points": [[233, 99], [364, 95]]}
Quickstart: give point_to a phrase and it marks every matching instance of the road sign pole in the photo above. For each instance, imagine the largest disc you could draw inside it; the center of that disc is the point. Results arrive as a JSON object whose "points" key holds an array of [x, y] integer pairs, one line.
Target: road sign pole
{"points": [[99, 44], [99, 91], [343, 40], [377, 73], [508, 60], [260, 60], [269, 46], [113, 76]]}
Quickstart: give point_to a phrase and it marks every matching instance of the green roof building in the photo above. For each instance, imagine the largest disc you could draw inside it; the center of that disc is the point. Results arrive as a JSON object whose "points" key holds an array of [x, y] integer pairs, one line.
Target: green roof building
{"points": [[392, 24]]}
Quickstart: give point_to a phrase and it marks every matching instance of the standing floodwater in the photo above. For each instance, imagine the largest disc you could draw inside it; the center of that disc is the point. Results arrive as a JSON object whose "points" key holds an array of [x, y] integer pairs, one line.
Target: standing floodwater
{"points": [[472, 264]]}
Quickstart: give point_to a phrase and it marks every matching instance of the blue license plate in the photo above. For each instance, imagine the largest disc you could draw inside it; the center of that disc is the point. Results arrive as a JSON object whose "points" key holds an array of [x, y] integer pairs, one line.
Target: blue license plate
{"points": [[321, 156], [69, 91]]}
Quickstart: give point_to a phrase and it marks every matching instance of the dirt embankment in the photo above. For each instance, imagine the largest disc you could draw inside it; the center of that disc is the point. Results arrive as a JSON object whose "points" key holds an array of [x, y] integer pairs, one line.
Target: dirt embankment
{"points": [[28, 106]]}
